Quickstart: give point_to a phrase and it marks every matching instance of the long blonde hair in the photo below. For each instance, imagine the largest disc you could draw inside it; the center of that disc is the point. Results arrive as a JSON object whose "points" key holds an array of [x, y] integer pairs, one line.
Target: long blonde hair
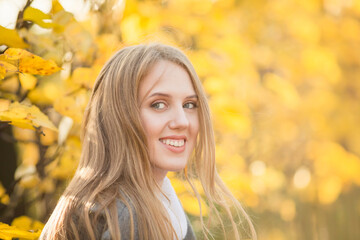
{"points": [[115, 161]]}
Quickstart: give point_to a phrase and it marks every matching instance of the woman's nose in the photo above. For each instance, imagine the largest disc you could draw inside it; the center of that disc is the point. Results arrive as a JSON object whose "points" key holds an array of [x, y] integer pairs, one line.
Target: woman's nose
{"points": [[179, 119]]}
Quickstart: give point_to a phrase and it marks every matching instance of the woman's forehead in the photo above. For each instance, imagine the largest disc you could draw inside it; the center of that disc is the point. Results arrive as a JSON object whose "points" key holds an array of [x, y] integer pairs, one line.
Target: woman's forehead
{"points": [[166, 77]]}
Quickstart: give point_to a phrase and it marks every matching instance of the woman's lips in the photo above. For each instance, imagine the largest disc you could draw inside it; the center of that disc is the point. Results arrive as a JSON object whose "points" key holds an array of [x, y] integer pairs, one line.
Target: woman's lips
{"points": [[179, 141], [173, 148]]}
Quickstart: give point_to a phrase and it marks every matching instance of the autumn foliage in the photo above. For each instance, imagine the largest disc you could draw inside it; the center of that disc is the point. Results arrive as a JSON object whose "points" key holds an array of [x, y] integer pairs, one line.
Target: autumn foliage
{"points": [[282, 79]]}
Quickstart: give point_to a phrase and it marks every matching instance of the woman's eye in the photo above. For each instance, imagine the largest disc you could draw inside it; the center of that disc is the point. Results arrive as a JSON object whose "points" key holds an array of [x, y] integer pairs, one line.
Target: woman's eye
{"points": [[158, 105], [190, 105]]}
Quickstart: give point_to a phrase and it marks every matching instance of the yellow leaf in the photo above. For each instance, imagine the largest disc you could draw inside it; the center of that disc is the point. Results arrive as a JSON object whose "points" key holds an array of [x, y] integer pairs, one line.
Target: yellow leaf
{"points": [[25, 116], [47, 91], [81, 40], [9, 232], [178, 185], [4, 104], [2, 72], [216, 85], [85, 77], [60, 19], [30, 181], [68, 160], [131, 28], [288, 210], [329, 189], [283, 89], [27, 81], [22, 134], [73, 106], [191, 205], [30, 63], [274, 179], [10, 38], [49, 138], [23, 171], [323, 62], [47, 185], [30, 153], [237, 181], [37, 65], [56, 7], [231, 116], [4, 198], [194, 6], [11, 85], [6, 67], [16, 54], [107, 44], [26, 223], [330, 158], [36, 16], [304, 28]]}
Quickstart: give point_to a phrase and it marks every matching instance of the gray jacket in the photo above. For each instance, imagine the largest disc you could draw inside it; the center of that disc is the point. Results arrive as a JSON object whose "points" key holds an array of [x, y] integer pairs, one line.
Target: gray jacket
{"points": [[124, 222]]}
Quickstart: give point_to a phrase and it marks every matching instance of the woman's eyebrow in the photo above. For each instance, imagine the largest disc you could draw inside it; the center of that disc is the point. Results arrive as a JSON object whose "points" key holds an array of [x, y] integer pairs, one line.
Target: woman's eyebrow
{"points": [[168, 96], [192, 96], [159, 94]]}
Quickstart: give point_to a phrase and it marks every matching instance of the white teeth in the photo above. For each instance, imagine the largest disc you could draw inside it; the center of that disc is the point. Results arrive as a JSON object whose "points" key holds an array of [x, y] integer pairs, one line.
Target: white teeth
{"points": [[175, 143]]}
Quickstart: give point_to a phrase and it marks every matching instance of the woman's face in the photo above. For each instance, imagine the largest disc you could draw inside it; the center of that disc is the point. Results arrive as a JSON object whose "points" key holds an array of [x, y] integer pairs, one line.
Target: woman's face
{"points": [[169, 114]]}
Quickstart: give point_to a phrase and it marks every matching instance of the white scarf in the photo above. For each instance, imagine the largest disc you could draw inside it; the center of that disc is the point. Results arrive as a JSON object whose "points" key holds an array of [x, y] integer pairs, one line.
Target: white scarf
{"points": [[174, 209]]}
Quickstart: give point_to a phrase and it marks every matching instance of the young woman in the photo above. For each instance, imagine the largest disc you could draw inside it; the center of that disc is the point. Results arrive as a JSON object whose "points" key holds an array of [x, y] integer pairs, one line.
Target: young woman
{"points": [[147, 115]]}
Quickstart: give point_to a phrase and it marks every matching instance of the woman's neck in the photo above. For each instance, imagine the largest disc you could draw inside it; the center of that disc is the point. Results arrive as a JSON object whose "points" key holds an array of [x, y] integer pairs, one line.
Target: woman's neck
{"points": [[159, 175]]}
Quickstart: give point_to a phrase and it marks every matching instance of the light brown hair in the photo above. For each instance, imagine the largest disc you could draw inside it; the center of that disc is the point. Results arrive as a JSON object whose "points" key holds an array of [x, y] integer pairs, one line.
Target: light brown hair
{"points": [[115, 161]]}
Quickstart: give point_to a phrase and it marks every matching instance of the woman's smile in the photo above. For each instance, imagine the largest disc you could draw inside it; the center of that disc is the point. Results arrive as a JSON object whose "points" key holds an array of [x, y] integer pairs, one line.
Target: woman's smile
{"points": [[176, 144]]}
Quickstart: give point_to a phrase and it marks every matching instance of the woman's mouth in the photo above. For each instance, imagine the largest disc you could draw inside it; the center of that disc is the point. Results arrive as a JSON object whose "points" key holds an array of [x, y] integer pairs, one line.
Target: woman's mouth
{"points": [[174, 145]]}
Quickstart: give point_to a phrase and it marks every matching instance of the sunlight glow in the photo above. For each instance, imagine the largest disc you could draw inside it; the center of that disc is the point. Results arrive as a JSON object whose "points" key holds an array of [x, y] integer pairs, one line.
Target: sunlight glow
{"points": [[258, 168], [302, 178]]}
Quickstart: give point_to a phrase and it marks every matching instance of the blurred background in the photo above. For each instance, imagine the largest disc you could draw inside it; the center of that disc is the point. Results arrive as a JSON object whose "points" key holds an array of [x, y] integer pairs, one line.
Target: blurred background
{"points": [[282, 79]]}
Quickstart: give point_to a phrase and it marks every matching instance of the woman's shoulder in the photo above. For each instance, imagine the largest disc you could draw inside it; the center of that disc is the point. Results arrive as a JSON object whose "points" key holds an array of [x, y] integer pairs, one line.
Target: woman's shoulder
{"points": [[124, 219], [123, 209], [125, 212]]}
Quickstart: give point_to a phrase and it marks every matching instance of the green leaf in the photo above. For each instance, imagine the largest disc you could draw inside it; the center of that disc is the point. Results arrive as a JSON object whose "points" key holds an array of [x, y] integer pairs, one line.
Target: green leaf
{"points": [[11, 38]]}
